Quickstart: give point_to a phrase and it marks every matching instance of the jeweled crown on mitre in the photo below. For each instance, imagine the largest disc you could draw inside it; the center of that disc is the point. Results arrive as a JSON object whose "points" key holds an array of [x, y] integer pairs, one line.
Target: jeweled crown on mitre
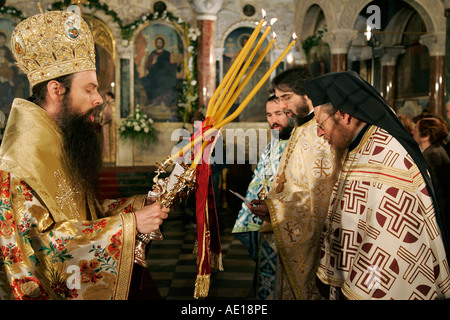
{"points": [[53, 44]]}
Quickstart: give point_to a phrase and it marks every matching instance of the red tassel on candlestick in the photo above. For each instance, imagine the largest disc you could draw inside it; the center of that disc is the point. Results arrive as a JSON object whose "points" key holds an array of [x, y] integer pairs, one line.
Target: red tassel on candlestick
{"points": [[208, 238], [207, 248]]}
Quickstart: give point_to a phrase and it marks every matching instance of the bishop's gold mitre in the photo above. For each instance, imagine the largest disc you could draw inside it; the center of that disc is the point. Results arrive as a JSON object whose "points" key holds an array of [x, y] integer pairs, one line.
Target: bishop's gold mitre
{"points": [[53, 44]]}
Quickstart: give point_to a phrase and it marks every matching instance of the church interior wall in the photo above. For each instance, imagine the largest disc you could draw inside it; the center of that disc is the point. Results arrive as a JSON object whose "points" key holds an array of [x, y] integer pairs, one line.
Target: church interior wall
{"points": [[341, 21]]}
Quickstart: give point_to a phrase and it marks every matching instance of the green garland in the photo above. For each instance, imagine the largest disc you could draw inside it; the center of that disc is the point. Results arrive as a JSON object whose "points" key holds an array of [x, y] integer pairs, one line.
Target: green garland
{"points": [[92, 4], [312, 41], [12, 11]]}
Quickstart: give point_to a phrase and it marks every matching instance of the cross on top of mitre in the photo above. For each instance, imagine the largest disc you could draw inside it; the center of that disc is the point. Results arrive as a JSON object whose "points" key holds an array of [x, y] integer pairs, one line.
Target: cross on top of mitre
{"points": [[78, 2]]}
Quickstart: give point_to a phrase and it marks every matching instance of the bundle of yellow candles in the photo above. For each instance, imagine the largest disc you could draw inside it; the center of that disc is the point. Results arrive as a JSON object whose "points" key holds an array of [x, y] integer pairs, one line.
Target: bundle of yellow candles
{"points": [[218, 107], [228, 91]]}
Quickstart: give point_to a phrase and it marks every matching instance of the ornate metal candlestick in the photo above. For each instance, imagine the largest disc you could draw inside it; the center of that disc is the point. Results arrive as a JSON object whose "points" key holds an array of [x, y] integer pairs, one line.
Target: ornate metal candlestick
{"points": [[166, 197]]}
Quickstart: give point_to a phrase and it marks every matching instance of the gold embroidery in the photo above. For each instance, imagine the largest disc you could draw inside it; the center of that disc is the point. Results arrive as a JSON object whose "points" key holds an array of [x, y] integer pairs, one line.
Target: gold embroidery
{"points": [[31, 289], [66, 195], [298, 212], [126, 262]]}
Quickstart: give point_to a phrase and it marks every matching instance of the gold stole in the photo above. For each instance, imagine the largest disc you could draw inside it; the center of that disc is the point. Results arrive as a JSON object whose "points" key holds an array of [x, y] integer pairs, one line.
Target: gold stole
{"points": [[298, 202], [40, 141]]}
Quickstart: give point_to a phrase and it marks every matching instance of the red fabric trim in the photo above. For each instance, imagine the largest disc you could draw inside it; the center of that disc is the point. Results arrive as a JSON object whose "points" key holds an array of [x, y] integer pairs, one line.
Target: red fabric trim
{"points": [[208, 236]]}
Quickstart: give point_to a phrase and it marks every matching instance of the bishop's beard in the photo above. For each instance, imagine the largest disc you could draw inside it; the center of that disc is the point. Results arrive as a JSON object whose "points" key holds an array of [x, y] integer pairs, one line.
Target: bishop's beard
{"points": [[81, 146]]}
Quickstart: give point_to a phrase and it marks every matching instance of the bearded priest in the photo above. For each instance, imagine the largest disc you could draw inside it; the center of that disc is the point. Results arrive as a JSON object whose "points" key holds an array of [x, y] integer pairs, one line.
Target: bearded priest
{"points": [[57, 241], [384, 236]]}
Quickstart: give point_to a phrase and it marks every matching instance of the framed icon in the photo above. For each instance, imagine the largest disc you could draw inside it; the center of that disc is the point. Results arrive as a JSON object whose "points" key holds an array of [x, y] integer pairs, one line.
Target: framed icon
{"points": [[159, 69]]}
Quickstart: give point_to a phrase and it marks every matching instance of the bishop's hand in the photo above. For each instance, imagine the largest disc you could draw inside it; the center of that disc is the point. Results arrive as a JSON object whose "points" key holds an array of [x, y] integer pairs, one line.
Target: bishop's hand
{"points": [[149, 218]]}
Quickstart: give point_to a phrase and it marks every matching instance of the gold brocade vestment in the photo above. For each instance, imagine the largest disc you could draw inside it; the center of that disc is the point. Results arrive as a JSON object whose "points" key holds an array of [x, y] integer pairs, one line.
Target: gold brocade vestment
{"points": [[53, 245], [298, 202]]}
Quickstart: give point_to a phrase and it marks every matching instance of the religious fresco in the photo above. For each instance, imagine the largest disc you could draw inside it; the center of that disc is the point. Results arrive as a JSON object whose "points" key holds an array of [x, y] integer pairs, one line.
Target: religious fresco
{"points": [[158, 70], [255, 111]]}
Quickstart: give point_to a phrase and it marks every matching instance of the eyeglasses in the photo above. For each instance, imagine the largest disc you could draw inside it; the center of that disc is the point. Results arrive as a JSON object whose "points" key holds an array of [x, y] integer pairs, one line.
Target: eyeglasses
{"points": [[320, 125], [283, 98]]}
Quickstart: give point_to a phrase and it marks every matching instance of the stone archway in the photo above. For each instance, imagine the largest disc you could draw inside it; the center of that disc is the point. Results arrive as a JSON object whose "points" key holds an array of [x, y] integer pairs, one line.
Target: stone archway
{"points": [[231, 42], [432, 13], [317, 52], [341, 17]]}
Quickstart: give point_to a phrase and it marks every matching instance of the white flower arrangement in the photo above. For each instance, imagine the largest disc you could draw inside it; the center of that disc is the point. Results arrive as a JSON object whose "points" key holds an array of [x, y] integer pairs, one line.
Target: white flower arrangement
{"points": [[138, 127], [194, 33]]}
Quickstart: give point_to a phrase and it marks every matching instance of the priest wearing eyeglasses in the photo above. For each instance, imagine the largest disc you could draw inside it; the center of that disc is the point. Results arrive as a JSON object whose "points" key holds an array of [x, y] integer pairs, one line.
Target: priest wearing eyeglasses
{"points": [[384, 236]]}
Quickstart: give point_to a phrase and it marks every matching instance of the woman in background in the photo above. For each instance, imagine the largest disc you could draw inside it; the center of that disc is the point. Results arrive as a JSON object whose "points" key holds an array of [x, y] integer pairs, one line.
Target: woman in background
{"points": [[431, 132]]}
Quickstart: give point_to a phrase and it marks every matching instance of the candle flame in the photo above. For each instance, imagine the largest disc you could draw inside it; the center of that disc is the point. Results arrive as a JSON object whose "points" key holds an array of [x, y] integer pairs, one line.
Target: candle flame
{"points": [[264, 23], [368, 33], [274, 35], [263, 13], [294, 36], [273, 20]]}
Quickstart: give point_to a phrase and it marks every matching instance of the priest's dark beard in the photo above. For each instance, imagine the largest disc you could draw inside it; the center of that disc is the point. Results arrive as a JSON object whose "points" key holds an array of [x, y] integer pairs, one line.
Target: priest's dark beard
{"points": [[81, 146], [294, 120], [285, 132]]}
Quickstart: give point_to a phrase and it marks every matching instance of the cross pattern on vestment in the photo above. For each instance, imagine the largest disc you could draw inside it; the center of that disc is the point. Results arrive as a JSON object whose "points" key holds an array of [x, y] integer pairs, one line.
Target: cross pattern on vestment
{"points": [[321, 168], [292, 233], [281, 180], [300, 261]]}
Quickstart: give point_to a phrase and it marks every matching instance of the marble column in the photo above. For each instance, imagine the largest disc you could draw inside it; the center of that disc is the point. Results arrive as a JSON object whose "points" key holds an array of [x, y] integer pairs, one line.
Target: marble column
{"points": [[206, 11], [388, 62], [123, 79], [125, 99], [435, 42], [339, 41]]}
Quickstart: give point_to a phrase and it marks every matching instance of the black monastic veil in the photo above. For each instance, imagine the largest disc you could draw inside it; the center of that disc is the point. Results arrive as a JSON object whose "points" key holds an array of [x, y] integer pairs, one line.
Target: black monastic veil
{"points": [[350, 93]]}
